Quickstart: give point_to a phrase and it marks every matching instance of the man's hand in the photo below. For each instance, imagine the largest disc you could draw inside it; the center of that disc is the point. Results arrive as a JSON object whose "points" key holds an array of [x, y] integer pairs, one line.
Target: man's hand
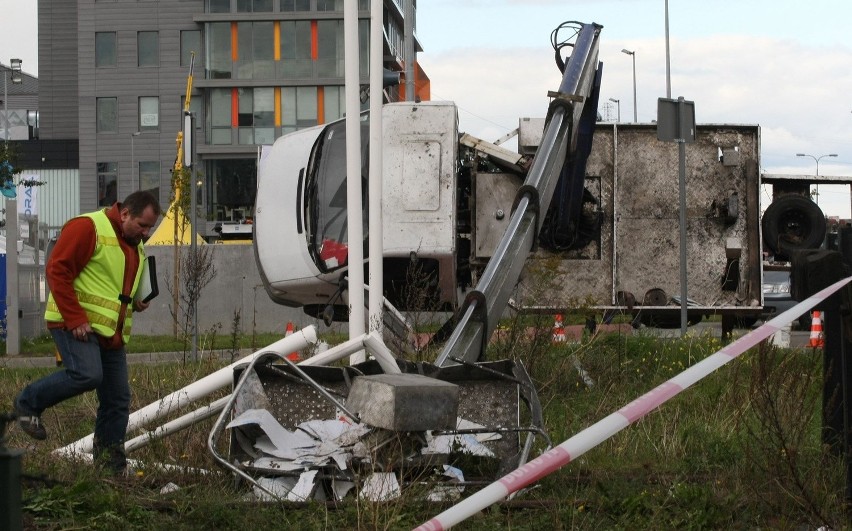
{"points": [[139, 306], [81, 333]]}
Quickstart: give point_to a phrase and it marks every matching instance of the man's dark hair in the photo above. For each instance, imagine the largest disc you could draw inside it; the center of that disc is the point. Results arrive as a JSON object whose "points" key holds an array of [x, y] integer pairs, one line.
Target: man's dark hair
{"points": [[138, 201]]}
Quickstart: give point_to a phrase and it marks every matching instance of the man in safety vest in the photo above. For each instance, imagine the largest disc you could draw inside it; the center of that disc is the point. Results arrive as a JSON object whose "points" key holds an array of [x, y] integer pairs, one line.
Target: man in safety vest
{"points": [[93, 273]]}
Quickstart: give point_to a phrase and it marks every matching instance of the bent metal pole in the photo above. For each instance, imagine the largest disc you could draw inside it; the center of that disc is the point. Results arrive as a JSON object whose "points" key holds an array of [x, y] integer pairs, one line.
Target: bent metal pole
{"points": [[599, 432]]}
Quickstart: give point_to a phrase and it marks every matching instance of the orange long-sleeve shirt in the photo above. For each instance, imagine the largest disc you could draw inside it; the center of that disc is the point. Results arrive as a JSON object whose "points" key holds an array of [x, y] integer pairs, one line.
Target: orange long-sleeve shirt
{"points": [[73, 250]]}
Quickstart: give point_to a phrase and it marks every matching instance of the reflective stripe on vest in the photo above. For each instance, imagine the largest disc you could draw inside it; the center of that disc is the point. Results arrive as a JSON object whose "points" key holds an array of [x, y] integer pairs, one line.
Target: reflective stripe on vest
{"points": [[99, 284]]}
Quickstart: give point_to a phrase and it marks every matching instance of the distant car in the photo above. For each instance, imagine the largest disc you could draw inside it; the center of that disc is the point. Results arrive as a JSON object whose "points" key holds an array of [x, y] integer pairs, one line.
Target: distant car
{"points": [[777, 297]]}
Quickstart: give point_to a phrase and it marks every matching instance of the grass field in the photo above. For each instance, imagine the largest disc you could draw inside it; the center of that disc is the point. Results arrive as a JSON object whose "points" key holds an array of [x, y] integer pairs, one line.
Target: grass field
{"points": [[741, 449]]}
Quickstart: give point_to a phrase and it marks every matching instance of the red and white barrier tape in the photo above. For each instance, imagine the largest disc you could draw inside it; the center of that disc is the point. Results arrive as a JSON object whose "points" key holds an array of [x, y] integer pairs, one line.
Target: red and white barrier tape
{"points": [[599, 432]]}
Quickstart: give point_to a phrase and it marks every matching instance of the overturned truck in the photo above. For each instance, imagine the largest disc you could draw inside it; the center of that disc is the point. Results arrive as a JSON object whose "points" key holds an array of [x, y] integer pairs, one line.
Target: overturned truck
{"points": [[395, 422]]}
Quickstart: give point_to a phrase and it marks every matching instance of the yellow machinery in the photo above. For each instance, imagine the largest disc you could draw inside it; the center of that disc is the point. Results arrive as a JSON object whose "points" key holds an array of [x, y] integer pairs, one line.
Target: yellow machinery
{"points": [[172, 230]]}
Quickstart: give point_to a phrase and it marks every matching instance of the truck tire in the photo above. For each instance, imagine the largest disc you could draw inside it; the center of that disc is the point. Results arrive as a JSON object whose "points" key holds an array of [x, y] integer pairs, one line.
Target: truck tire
{"points": [[793, 222]]}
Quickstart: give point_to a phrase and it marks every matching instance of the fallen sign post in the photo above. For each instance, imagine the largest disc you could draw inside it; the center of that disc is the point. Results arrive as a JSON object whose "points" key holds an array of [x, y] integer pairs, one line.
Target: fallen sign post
{"points": [[599, 432]]}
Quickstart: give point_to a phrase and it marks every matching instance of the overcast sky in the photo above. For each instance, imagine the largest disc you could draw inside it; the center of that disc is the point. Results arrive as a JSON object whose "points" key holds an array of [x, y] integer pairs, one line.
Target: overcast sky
{"points": [[785, 65]]}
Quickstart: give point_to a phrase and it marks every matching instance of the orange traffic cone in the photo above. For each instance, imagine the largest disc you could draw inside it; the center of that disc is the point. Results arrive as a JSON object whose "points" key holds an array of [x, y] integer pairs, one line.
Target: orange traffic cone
{"points": [[558, 330], [293, 356], [817, 337]]}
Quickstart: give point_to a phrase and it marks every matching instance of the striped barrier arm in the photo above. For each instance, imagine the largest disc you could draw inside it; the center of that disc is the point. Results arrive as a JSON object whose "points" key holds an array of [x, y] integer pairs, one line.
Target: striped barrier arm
{"points": [[599, 432]]}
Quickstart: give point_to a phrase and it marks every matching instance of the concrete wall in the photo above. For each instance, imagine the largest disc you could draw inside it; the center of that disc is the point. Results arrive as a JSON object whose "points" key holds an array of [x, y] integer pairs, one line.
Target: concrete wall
{"points": [[236, 287]]}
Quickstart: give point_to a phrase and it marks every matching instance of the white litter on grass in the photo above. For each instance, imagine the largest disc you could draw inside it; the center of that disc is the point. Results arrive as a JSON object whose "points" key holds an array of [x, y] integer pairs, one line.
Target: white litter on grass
{"points": [[341, 488], [286, 488], [169, 487], [448, 491], [380, 486], [313, 444], [469, 443], [318, 443]]}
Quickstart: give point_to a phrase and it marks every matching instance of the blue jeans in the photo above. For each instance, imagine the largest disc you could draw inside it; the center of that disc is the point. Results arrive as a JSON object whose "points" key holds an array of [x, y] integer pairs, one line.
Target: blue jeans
{"points": [[86, 367]]}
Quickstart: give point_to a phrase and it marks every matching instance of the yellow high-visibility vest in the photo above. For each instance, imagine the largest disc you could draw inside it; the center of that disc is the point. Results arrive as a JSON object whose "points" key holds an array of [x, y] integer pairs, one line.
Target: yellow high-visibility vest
{"points": [[98, 287]]}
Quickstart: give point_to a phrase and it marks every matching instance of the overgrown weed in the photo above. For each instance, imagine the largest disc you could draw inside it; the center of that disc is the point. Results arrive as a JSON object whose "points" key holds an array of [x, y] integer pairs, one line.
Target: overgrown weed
{"points": [[740, 449]]}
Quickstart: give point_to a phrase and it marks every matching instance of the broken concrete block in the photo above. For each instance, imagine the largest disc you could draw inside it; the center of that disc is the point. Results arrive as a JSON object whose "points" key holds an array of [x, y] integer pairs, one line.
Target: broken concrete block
{"points": [[404, 402]]}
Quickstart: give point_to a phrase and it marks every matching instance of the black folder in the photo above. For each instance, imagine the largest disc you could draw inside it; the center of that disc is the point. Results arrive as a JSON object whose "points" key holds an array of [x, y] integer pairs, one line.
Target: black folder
{"points": [[148, 288]]}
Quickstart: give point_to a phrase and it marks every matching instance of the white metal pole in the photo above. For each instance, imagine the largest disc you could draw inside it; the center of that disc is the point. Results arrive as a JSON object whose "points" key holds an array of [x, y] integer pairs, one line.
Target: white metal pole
{"points": [[177, 424], [13, 324], [668, 57], [376, 272], [635, 111], [5, 107], [354, 208]]}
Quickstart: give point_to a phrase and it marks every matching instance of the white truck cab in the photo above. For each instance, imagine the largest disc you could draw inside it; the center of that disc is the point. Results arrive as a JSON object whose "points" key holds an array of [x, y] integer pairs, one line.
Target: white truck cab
{"points": [[300, 226]]}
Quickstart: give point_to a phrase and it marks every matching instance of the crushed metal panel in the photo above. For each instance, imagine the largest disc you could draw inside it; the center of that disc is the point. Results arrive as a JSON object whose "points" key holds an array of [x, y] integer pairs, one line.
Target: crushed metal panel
{"points": [[493, 197]]}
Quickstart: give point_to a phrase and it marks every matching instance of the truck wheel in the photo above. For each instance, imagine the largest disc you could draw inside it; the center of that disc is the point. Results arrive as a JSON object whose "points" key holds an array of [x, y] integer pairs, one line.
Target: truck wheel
{"points": [[793, 222]]}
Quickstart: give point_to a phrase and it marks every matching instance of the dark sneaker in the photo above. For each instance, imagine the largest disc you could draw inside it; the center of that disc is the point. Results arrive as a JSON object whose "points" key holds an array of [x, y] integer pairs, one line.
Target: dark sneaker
{"points": [[32, 426], [111, 459]]}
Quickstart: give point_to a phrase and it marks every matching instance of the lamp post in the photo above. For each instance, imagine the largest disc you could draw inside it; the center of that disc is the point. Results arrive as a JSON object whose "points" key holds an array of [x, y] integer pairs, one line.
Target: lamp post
{"points": [[633, 55], [617, 106], [816, 159], [133, 160], [15, 68], [668, 57], [13, 325]]}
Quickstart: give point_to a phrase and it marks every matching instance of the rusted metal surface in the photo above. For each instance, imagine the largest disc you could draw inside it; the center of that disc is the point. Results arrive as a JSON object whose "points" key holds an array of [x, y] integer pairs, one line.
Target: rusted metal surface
{"points": [[635, 176]]}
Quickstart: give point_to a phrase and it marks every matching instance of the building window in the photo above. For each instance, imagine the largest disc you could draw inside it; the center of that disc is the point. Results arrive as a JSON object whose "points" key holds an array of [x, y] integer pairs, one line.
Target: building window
{"points": [[218, 6], [295, 5], [256, 6], [296, 58], [298, 108], [190, 41], [330, 48], [256, 45], [218, 50], [105, 53], [334, 98], [149, 176], [256, 115], [231, 187], [219, 116], [329, 5], [107, 183], [147, 48], [107, 115], [149, 113]]}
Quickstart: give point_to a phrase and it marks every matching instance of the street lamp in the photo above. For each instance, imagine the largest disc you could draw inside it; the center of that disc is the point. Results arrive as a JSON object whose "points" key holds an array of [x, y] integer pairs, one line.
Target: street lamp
{"points": [[816, 159], [617, 106], [133, 159], [633, 55], [15, 68]]}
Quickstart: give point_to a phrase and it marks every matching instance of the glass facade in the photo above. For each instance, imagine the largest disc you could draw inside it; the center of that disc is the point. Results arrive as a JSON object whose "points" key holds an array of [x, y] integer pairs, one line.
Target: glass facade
{"points": [[287, 75]]}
